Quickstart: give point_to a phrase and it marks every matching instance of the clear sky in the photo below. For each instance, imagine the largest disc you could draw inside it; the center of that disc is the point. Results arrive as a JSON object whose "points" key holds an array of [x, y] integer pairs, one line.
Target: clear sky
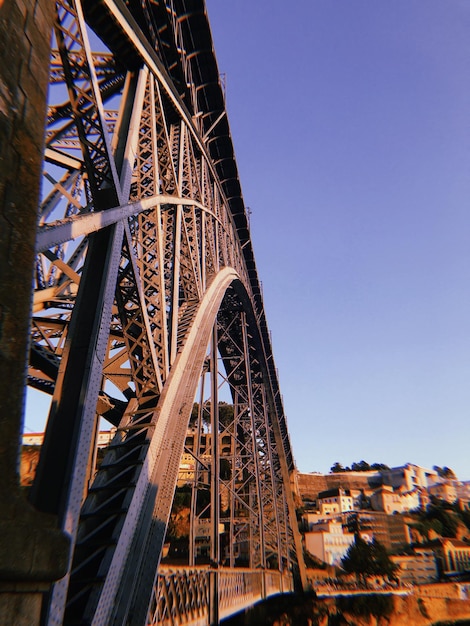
{"points": [[350, 120]]}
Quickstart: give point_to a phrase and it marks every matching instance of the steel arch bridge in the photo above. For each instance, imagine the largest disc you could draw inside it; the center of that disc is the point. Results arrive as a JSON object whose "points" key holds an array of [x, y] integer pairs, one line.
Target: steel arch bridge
{"points": [[147, 314]]}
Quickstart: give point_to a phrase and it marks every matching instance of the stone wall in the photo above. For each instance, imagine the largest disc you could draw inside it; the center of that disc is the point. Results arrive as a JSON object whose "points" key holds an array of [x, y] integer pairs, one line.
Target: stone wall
{"points": [[32, 551]]}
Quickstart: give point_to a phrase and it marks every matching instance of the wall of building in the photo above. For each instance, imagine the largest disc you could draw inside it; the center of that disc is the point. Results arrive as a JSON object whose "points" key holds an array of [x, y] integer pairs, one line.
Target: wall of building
{"points": [[328, 542], [418, 569]]}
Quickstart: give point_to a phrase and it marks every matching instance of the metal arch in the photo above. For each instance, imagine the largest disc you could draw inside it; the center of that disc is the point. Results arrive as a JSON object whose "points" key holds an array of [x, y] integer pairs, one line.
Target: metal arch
{"points": [[131, 574], [142, 230]]}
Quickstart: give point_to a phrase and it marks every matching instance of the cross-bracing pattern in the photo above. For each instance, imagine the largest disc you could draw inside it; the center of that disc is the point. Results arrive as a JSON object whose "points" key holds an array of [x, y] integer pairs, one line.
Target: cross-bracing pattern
{"points": [[146, 300]]}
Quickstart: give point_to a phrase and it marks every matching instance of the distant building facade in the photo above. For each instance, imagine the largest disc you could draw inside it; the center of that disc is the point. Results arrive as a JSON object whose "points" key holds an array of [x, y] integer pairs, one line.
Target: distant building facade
{"points": [[445, 490], [409, 477], [328, 542], [453, 556], [334, 501], [419, 568], [390, 500]]}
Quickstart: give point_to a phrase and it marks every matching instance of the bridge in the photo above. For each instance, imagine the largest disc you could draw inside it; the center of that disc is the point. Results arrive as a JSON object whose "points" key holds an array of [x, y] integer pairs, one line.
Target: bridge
{"points": [[147, 316]]}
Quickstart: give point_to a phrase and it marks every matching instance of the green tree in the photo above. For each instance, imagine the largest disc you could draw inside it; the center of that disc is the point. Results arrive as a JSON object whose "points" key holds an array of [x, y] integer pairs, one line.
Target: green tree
{"points": [[448, 522], [365, 559], [465, 517], [439, 516], [379, 466], [444, 472], [225, 413], [362, 466], [382, 564], [337, 468]]}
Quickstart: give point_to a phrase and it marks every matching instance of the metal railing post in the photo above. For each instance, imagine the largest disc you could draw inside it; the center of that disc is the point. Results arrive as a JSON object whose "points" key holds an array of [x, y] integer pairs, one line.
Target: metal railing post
{"points": [[213, 597]]}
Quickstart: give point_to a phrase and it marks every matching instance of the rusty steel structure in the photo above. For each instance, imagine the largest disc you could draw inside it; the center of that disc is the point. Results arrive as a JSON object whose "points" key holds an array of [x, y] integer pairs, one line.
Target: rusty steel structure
{"points": [[147, 310]]}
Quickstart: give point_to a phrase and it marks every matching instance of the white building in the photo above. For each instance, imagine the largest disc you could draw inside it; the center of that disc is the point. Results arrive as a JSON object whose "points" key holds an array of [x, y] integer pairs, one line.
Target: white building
{"points": [[328, 542], [390, 500], [335, 501], [409, 477], [36, 439]]}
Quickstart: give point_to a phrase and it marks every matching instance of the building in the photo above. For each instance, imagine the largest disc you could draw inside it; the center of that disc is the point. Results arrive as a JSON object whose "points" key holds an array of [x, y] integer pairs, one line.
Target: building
{"points": [[419, 568], [453, 556], [334, 501], [32, 439], [328, 542], [36, 439], [311, 519], [444, 490], [409, 477], [359, 484], [203, 537], [389, 530], [390, 500], [197, 455], [463, 494], [31, 451]]}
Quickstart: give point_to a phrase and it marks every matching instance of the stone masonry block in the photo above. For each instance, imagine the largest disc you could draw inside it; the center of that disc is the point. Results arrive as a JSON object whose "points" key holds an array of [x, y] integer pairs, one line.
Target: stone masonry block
{"points": [[34, 115], [43, 18], [36, 65]]}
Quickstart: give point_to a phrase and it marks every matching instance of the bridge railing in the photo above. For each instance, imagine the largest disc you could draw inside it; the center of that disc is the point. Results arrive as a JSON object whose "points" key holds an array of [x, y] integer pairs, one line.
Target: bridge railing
{"points": [[183, 597], [239, 589]]}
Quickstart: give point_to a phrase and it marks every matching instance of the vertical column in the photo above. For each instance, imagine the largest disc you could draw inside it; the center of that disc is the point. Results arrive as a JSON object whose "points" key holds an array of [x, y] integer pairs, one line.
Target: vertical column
{"points": [[33, 553], [215, 490]]}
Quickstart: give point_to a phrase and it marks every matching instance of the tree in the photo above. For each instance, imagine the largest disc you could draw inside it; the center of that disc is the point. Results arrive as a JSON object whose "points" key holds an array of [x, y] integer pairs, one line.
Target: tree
{"points": [[357, 559], [439, 511], [382, 563], [465, 517], [444, 472], [439, 516], [362, 466], [225, 414], [379, 467], [337, 468], [367, 559]]}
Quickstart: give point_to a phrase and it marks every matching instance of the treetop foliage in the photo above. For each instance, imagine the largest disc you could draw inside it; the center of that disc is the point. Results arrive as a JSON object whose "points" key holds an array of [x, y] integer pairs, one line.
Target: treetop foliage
{"points": [[225, 413], [441, 517], [444, 472], [368, 559], [361, 466]]}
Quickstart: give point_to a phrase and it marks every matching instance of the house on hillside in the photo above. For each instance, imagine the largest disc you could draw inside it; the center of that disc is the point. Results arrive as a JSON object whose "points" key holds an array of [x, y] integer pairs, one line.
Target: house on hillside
{"points": [[334, 501], [328, 542], [409, 477], [390, 500], [419, 568], [453, 556]]}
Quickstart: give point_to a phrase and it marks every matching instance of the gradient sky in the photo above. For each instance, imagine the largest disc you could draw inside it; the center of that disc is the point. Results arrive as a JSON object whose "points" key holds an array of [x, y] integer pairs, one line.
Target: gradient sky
{"points": [[350, 121]]}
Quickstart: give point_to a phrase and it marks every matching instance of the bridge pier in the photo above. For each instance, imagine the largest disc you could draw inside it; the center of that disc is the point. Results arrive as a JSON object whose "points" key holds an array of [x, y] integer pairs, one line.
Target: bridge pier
{"points": [[33, 552]]}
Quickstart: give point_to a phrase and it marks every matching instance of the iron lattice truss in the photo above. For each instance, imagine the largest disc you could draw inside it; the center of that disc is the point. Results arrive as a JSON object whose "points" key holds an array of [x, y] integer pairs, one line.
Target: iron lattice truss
{"points": [[146, 287]]}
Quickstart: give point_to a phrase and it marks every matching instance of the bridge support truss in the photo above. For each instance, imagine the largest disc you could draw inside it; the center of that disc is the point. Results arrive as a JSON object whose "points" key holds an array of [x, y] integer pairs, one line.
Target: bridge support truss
{"points": [[148, 314]]}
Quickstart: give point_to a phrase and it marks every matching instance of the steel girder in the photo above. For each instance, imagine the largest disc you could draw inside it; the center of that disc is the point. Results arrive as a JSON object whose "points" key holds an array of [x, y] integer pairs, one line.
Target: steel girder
{"points": [[144, 260]]}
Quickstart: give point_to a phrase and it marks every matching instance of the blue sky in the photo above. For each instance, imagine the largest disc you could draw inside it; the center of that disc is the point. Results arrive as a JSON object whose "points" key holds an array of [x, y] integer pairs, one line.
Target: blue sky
{"points": [[350, 120]]}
